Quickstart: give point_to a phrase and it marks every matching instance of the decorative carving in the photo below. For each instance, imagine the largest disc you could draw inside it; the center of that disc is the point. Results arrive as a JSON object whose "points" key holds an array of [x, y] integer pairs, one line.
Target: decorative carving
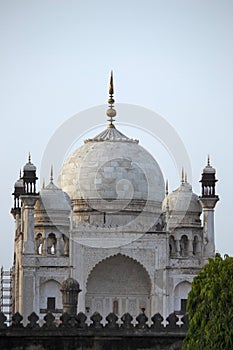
{"points": [[49, 321], [73, 321], [141, 319], [58, 279], [3, 319], [33, 319], [96, 320], [92, 258], [112, 321], [17, 320], [127, 321], [172, 321], [157, 320], [81, 320], [69, 322], [65, 319], [185, 321]]}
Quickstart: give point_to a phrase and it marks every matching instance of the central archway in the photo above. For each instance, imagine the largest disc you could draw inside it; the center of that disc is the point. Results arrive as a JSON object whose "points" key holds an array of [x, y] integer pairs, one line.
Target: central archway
{"points": [[118, 284]]}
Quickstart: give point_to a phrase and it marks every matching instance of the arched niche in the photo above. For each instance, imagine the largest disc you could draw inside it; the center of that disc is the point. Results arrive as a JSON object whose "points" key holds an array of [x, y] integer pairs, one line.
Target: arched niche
{"points": [[50, 297], [118, 284], [181, 295]]}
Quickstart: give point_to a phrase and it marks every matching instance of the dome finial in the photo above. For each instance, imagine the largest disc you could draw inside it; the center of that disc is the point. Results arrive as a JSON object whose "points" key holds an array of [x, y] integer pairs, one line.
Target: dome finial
{"points": [[208, 160], [111, 87], [182, 176], [29, 157], [186, 178], [51, 174], [111, 112], [166, 188], [20, 173]]}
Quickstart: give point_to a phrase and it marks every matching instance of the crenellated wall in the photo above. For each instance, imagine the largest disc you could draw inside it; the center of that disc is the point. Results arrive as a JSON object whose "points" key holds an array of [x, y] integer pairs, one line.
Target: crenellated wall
{"points": [[109, 334]]}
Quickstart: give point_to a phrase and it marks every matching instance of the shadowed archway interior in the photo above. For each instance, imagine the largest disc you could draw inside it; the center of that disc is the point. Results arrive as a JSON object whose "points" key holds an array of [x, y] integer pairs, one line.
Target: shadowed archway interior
{"points": [[118, 284]]}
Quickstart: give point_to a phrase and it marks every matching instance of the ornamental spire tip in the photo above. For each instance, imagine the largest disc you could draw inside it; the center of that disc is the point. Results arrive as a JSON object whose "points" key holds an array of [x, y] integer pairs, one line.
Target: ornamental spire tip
{"points": [[51, 174], [182, 176], [166, 188], [111, 112]]}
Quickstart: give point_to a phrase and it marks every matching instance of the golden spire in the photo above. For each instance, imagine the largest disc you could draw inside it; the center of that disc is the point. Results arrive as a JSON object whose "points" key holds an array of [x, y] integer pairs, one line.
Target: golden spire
{"points": [[111, 112], [166, 188], [182, 175], [208, 160], [51, 174]]}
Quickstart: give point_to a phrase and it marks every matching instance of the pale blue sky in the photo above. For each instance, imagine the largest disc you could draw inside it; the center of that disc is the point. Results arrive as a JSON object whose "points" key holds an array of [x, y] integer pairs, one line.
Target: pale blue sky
{"points": [[173, 57]]}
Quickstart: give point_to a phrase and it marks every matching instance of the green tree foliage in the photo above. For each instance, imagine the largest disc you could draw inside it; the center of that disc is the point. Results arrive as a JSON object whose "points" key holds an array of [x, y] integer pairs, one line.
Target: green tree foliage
{"points": [[210, 307]]}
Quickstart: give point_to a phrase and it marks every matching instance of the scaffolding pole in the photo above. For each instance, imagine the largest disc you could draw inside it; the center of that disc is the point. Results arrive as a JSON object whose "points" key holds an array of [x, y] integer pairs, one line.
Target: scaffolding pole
{"points": [[6, 293]]}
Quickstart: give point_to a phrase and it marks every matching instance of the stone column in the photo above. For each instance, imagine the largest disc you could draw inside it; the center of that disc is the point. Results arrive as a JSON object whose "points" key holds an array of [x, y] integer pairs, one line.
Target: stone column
{"points": [[59, 244], [28, 223], [27, 289], [208, 205], [177, 241], [44, 250], [190, 247], [199, 247], [17, 221]]}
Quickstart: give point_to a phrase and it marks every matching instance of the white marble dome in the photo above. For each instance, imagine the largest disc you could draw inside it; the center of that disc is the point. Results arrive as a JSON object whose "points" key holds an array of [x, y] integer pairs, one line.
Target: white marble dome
{"points": [[112, 167], [184, 207], [182, 199], [53, 207], [209, 169], [54, 199]]}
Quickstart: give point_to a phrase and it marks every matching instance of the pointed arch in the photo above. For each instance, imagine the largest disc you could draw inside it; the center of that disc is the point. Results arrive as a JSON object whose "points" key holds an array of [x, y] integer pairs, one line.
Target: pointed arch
{"points": [[181, 291], [118, 280], [119, 254], [184, 245], [50, 292]]}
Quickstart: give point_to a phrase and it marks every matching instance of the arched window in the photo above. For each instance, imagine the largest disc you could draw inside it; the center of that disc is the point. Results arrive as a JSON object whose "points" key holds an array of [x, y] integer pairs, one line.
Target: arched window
{"points": [[180, 297], [184, 246], [39, 244], [115, 307], [172, 246], [51, 244], [195, 246]]}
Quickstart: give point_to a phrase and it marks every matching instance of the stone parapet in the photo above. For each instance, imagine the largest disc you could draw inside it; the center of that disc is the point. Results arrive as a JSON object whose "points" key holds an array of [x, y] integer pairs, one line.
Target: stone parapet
{"points": [[73, 332]]}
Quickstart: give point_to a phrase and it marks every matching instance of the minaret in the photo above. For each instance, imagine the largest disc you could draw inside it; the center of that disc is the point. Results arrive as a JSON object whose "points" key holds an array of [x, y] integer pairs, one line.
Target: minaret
{"points": [[208, 201], [27, 289], [29, 198], [29, 177], [16, 210]]}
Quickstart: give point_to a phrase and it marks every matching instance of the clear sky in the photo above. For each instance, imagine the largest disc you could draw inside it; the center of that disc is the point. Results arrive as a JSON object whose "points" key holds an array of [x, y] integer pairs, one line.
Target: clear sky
{"points": [[174, 57]]}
